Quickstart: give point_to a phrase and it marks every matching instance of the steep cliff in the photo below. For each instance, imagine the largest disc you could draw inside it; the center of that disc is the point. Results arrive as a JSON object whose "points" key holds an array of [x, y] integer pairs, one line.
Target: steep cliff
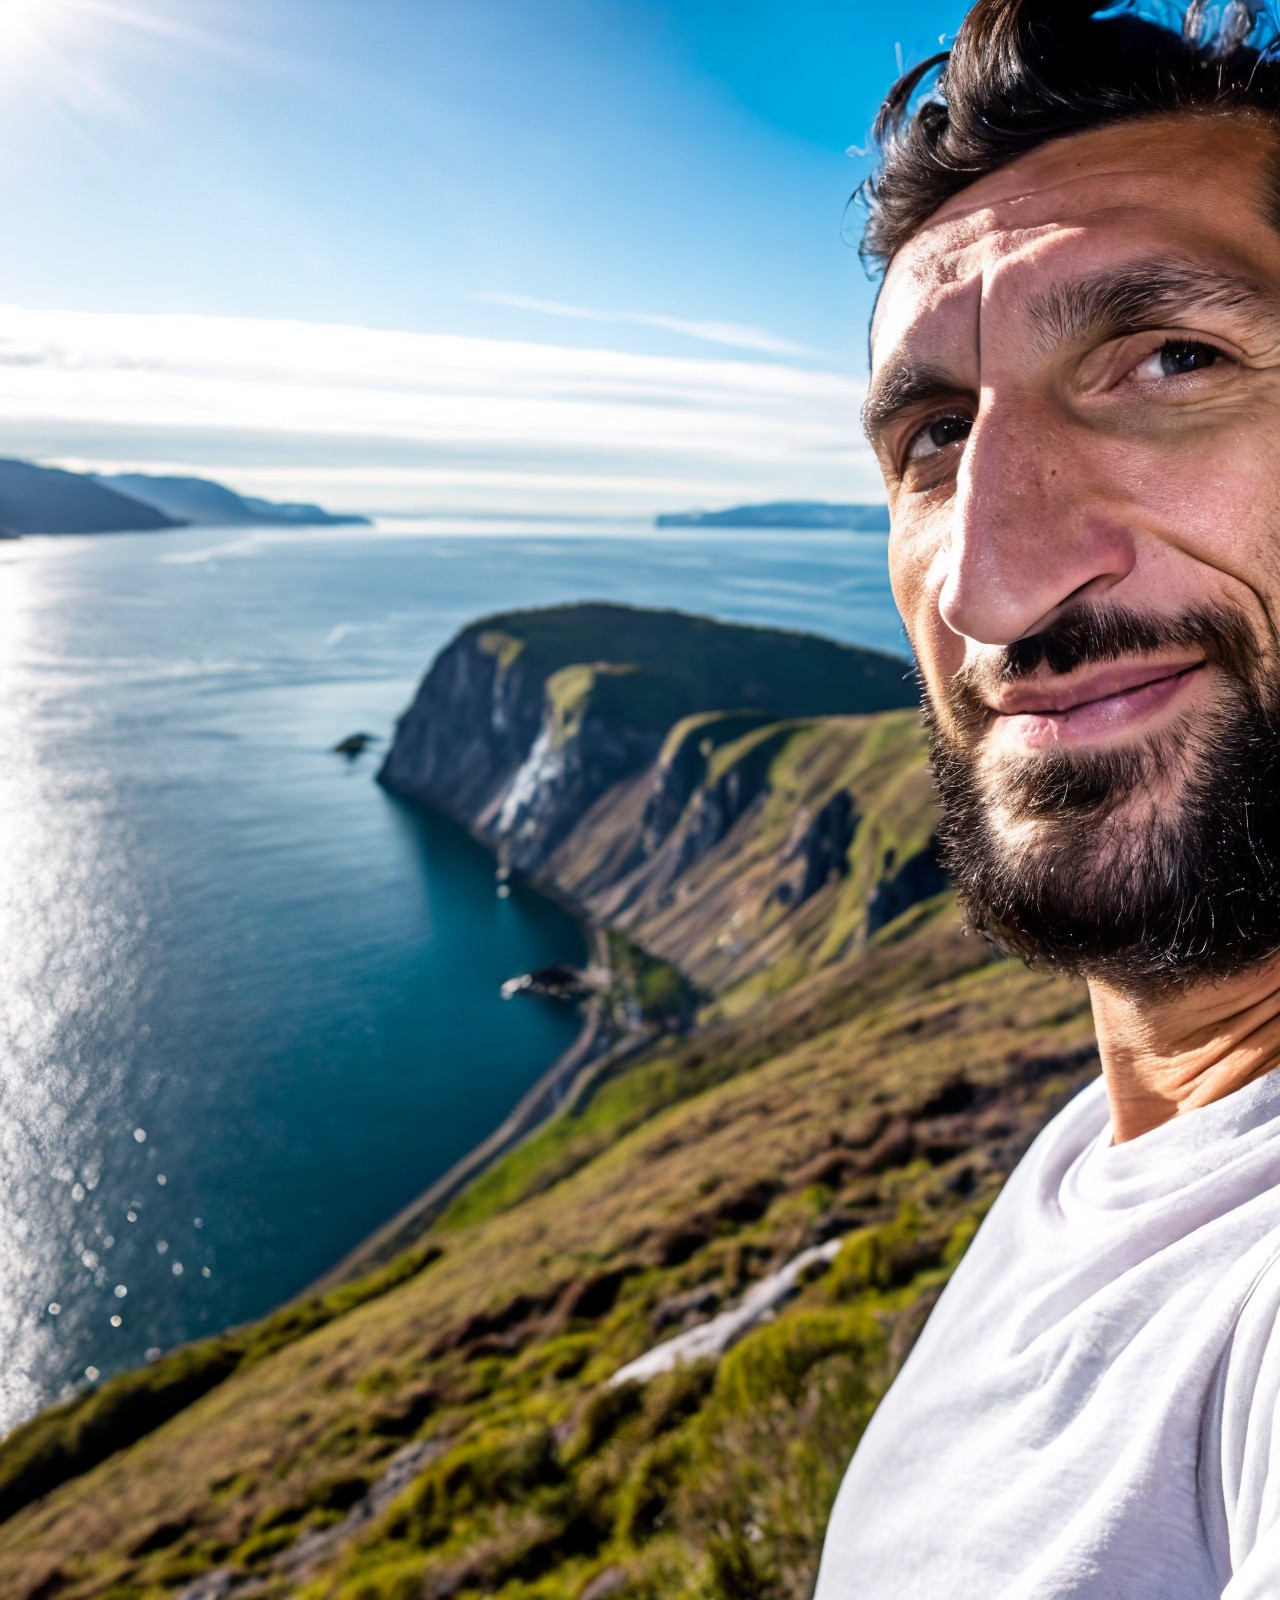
{"points": [[696, 783]]}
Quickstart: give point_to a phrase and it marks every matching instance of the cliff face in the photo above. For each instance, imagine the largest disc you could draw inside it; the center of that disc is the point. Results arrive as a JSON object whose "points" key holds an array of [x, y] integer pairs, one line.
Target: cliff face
{"points": [[474, 721], [593, 747]]}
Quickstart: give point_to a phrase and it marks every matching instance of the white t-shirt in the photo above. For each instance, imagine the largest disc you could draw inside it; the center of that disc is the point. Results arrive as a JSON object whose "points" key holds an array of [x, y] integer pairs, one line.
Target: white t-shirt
{"points": [[1092, 1408]]}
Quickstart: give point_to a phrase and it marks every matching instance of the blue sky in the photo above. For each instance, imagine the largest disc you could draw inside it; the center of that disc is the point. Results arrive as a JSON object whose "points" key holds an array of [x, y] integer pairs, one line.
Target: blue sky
{"points": [[579, 256]]}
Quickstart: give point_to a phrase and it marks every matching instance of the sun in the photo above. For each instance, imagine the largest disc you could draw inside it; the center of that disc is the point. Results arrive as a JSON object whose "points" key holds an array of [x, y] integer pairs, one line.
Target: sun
{"points": [[26, 26]]}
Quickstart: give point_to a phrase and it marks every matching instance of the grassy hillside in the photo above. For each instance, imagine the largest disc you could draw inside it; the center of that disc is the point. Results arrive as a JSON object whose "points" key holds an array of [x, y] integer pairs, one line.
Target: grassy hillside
{"points": [[683, 662], [861, 1076], [789, 839], [883, 1100]]}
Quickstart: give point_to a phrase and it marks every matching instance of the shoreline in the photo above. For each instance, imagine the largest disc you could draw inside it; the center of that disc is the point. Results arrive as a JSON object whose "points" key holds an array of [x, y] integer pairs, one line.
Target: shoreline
{"points": [[591, 1056]]}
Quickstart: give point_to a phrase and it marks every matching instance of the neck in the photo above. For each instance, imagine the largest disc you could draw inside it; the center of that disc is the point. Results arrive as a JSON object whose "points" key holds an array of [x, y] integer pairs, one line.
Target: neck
{"points": [[1170, 1054]]}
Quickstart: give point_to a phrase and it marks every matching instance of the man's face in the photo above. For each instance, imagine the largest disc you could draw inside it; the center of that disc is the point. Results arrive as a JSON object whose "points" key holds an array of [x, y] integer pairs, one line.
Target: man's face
{"points": [[1076, 405]]}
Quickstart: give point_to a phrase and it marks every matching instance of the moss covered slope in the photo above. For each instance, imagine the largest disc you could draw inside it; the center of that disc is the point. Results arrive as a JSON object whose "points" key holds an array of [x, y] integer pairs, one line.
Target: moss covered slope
{"points": [[882, 1100]]}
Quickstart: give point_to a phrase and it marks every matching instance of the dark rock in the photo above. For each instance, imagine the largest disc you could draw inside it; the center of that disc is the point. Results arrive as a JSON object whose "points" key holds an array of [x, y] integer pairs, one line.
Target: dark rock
{"points": [[747, 1204], [406, 1415], [894, 1148], [45, 1588], [474, 719], [674, 1245], [918, 878], [594, 1297], [532, 725], [551, 983], [340, 1494], [1056, 1063], [831, 1169], [484, 1325], [834, 1224], [823, 847], [955, 1095], [938, 1145], [160, 1536]]}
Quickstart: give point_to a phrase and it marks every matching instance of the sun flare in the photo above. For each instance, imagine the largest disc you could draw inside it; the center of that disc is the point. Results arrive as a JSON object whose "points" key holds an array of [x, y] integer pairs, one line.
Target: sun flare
{"points": [[27, 25]]}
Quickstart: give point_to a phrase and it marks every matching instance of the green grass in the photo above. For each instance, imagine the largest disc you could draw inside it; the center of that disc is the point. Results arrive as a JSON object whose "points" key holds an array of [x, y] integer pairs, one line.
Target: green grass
{"points": [[798, 1108], [505, 648], [68, 1439], [705, 665], [688, 1174]]}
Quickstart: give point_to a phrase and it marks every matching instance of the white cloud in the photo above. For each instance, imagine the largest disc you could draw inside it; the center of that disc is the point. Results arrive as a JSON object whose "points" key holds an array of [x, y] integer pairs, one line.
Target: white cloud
{"points": [[423, 422], [735, 335]]}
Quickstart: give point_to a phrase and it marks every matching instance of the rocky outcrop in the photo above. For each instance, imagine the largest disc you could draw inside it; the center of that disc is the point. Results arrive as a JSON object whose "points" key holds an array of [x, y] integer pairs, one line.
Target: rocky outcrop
{"points": [[822, 848], [471, 727], [565, 772], [591, 748], [900, 887]]}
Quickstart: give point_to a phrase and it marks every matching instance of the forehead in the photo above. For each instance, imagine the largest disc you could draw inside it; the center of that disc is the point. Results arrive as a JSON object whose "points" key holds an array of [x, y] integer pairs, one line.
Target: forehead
{"points": [[1194, 185]]}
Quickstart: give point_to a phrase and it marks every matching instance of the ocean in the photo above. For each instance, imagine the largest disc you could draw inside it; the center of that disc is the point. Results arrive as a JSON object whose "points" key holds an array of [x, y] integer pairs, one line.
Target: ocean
{"points": [[249, 1003]]}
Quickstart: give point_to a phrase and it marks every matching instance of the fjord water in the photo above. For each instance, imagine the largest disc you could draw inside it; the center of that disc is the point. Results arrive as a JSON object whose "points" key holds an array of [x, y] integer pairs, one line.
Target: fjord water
{"points": [[249, 1003]]}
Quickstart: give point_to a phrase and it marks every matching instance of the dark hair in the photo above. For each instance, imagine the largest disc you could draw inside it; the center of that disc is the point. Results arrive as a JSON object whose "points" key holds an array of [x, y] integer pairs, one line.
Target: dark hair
{"points": [[1022, 72]]}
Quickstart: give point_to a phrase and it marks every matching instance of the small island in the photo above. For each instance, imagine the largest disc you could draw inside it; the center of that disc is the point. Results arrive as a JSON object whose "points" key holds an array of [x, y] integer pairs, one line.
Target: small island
{"points": [[800, 514]]}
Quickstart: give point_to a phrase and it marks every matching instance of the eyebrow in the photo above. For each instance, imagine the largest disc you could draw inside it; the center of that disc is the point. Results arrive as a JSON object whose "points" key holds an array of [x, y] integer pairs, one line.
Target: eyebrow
{"points": [[1137, 296], [900, 386]]}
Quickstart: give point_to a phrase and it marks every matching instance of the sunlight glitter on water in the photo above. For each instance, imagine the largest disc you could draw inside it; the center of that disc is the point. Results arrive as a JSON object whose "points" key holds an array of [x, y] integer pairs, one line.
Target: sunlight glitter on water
{"points": [[69, 931]]}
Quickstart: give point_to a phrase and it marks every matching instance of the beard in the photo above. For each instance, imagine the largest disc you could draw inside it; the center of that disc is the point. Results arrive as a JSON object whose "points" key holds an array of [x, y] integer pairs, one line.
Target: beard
{"points": [[1152, 865]]}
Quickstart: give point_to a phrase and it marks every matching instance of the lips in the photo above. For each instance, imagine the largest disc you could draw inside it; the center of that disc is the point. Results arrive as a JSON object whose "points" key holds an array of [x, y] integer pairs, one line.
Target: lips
{"points": [[1093, 707], [1119, 678]]}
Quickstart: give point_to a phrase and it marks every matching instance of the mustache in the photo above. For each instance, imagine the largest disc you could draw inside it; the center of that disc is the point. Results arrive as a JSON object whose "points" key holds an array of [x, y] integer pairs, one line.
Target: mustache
{"points": [[1098, 634]]}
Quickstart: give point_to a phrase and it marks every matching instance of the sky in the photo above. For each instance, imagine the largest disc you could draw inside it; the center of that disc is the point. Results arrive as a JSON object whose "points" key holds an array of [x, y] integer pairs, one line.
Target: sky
{"points": [[538, 257]]}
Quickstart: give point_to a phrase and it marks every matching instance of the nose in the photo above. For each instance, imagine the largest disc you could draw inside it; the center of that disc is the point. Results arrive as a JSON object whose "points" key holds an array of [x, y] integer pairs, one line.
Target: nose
{"points": [[1030, 530]]}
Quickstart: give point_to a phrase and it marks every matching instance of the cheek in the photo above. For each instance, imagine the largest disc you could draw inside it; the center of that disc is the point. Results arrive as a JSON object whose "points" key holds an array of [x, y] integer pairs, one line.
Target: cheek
{"points": [[1220, 507], [917, 571], [911, 555]]}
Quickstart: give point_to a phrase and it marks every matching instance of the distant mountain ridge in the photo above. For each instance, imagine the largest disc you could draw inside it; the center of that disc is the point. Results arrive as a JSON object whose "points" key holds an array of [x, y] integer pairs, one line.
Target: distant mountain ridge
{"points": [[203, 502], [49, 500], [783, 514]]}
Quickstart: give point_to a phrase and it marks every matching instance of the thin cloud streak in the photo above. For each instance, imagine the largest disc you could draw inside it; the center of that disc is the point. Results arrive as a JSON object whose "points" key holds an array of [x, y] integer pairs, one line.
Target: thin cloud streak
{"points": [[735, 335], [427, 422]]}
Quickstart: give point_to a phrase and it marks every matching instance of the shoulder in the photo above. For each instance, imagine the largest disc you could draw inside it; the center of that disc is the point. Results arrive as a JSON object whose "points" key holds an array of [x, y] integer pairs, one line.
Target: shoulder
{"points": [[1240, 1452]]}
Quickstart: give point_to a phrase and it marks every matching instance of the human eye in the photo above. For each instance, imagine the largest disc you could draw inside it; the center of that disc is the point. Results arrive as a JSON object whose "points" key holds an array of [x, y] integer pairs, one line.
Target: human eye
{"points": [[1178, 358], [937, 436]]}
